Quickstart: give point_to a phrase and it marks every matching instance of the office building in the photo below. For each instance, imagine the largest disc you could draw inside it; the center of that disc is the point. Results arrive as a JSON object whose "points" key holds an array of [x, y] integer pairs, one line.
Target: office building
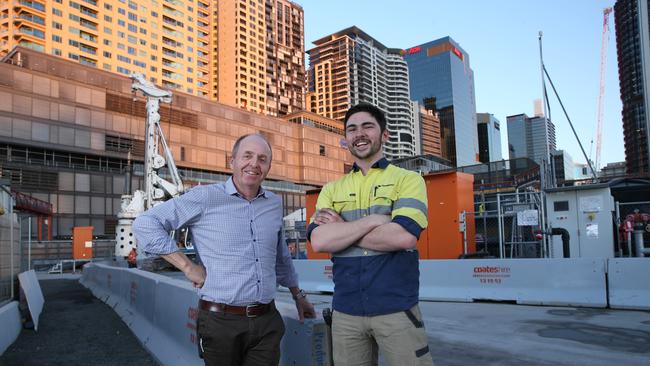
{"points": [[247, 54], [633, 50], [489, 137], [442, 80], [349, 67], [66, 131], [564, 166], [429, 132], [532, 138]]}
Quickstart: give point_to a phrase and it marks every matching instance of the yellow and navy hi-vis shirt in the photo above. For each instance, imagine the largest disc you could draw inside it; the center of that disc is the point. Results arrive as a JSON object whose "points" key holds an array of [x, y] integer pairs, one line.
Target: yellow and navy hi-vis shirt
{"points": [[368, 282]]}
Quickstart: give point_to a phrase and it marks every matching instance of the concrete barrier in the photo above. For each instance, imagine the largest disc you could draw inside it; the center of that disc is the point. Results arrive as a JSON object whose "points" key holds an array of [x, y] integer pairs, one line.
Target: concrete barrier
{"points": [[566, 282], [175, 317], [629, 283], [162, 313], [32, 290], [315, 275], [11, 325]]}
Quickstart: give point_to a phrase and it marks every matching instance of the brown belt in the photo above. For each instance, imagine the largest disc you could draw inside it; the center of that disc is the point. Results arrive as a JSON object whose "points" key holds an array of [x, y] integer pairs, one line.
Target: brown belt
{"points": [[251, 311]]}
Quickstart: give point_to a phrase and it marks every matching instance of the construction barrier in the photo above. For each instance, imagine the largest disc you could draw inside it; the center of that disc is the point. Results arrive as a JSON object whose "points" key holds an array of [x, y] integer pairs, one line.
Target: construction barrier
{"points": [[629, 283], [162, 314], [33, 294], [566, 282], [11, 325], [315, 275]]}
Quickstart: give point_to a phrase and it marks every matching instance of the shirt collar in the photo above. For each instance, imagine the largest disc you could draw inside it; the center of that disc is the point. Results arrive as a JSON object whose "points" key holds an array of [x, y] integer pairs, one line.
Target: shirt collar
{"points": [[380, 164], [232, 190]]}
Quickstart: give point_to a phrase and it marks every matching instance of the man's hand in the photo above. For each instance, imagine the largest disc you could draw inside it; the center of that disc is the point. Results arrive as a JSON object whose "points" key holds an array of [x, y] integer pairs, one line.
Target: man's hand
{"points": [[326, 216], [305, 309], [196, 273]]}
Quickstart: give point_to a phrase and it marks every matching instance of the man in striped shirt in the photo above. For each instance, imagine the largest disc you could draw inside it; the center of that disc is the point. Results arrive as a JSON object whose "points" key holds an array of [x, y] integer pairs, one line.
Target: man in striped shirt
{"points": [[370, 221], [236, 228]]}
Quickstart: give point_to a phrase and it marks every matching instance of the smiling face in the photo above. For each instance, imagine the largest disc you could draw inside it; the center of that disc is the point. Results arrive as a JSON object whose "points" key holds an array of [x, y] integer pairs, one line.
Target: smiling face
{"points": [[251, 163], [364, 137]]}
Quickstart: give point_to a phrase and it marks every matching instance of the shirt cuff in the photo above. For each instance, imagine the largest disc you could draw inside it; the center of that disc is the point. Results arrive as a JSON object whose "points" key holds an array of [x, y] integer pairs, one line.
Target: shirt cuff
{"points": [[311, 228], [409, 225]]}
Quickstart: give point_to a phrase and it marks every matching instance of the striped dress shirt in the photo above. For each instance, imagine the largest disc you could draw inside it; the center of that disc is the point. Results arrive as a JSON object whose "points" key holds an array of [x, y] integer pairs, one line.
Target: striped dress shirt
{"points": [[240, 242]]}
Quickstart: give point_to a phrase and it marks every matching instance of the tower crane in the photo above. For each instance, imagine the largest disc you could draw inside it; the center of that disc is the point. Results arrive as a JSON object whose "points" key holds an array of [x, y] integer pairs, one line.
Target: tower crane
{"points": [[601, 93], [157, 155]]}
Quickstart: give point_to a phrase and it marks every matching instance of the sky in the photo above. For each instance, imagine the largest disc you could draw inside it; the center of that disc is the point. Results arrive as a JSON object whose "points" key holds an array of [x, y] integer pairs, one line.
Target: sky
{"points": [[501, 38]]}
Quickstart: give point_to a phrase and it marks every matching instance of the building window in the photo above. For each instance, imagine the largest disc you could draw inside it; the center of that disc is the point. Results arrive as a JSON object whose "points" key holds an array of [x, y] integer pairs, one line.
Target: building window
{"points": [[56, 38], [321, 150], [182, 153]]}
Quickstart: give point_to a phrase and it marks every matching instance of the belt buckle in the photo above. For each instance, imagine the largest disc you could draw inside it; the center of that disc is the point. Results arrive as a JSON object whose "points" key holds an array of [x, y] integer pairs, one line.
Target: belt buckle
{"points": [[248, 308]]}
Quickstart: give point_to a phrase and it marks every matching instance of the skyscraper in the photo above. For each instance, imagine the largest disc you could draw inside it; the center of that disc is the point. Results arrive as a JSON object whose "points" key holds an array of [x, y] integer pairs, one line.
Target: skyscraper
{"points": [[489, 137], [442, 80], [527, 138], [247, 54], [349, 67], [633, 48], [429, 132]]}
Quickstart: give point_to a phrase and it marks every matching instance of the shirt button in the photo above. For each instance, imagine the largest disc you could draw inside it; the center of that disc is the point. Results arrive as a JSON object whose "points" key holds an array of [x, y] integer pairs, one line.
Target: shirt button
{"points": [[365, 252], [258, 281], [254, 239], [257, 260]]}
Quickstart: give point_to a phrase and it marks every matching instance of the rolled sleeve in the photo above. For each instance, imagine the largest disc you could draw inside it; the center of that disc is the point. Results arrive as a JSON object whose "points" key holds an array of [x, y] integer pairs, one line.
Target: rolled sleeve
{"points": [[409, 225], [152, 228]]}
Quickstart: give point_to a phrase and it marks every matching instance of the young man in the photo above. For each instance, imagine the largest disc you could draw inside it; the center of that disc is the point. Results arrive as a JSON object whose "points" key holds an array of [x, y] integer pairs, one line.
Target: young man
{"points": [[370, 221], [237, 230]]}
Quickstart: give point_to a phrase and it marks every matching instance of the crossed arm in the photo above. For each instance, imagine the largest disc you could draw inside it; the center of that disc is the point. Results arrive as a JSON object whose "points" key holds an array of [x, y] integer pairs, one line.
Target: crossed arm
{"points": [[375, 232]]}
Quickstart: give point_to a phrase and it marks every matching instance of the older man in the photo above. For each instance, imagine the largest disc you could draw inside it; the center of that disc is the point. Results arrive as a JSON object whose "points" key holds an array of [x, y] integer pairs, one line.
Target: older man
{"points": [[236, 228]]}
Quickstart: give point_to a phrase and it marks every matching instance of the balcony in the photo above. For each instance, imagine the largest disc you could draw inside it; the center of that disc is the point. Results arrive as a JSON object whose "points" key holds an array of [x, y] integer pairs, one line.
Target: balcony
{"points": [[32, 4]]}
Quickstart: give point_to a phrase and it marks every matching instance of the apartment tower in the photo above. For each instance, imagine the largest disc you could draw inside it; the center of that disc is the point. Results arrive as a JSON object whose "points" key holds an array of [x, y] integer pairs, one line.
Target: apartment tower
{"points": [[349, 67], [242, 53]]}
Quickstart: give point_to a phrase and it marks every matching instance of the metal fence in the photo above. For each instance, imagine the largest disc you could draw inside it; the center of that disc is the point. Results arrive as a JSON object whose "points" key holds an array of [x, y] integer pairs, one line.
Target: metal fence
{"points": [[9, 246], [40, 255], [507, 225]]}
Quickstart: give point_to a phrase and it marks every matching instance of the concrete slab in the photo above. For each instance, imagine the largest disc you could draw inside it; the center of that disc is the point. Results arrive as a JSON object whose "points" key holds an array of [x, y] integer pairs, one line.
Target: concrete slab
{"points": [[506, 334]]}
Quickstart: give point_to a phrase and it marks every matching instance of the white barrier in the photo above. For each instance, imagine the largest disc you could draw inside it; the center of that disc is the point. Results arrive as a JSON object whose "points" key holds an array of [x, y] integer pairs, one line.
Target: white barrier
{"points": [[315, 275], [162, 313], [629, 283], [33, 294], [11, 326], [567, 282]]}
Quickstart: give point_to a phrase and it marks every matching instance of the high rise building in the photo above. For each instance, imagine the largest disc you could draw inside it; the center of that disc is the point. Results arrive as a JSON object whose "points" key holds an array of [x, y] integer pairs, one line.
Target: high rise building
{"points": [[564, 166], [247, 54], [532, 138], [442, 80], [633, 49], [429, 132], [67, 132], [349, 67], [489, 137]]}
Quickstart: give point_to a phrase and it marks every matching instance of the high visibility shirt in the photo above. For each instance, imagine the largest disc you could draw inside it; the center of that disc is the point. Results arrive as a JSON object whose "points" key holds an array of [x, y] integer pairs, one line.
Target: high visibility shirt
{"points": [[368, 282]]}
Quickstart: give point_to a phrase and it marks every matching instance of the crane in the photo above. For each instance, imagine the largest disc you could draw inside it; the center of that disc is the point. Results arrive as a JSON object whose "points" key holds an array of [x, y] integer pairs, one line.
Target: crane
{"points": [[601, 93], [157, 189]]}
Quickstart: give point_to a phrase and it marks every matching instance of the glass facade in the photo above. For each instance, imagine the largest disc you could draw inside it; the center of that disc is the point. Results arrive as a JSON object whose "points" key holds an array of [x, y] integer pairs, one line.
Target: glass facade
{"points": [[441, 79], [489, 137], [527, 138]]}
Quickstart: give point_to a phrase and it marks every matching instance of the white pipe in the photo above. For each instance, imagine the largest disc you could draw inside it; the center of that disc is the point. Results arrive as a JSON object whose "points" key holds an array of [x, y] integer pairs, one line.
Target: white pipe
{"points": [[29, 243]]}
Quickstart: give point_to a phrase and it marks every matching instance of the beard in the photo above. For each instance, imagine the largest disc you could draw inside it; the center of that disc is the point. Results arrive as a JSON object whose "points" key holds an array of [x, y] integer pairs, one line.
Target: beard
{"points": [[375, 147]]}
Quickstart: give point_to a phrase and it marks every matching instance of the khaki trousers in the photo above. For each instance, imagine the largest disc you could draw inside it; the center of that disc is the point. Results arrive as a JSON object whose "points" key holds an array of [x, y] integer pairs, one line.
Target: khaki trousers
{"points": [[400, 337]]}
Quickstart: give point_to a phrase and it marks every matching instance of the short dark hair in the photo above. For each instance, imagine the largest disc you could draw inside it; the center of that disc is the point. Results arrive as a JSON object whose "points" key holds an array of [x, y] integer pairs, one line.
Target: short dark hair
{"points": [[235, 147], [369, 108]]}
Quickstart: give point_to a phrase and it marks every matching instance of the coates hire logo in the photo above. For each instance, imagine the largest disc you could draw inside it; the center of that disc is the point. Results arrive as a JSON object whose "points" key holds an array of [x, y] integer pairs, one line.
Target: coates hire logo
{"points": [[488, 269]]}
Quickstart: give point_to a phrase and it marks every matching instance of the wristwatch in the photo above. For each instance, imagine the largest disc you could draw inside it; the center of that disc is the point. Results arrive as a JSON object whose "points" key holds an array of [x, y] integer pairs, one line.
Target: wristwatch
{"points": [[300, 295]]}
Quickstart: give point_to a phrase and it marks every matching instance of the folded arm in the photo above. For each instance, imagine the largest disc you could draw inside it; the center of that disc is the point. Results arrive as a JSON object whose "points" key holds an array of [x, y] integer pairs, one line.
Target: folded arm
{"points": [[333, 234]]}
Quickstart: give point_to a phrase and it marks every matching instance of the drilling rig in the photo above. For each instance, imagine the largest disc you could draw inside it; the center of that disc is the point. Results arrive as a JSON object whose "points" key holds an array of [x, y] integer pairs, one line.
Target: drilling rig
{"points": [[157, 155]]}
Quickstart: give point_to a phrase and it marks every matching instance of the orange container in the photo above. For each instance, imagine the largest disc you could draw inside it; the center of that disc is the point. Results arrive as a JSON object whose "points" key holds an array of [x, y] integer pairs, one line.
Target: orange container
{"points": [[82, 242], [448, 194]]}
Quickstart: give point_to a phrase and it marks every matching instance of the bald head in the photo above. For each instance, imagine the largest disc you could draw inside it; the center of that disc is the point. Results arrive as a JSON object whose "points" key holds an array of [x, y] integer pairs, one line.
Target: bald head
{"points": [[235, 147]]}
